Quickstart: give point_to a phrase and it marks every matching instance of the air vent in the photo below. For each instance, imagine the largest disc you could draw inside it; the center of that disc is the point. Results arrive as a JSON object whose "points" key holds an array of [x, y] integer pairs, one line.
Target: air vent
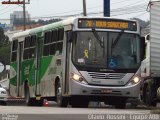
{"points": [[96, 75]]}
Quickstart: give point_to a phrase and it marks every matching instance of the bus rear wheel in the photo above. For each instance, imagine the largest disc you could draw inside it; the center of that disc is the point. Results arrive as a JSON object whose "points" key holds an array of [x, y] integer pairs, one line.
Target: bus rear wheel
{"points": [[61, 101], [32, 101]]}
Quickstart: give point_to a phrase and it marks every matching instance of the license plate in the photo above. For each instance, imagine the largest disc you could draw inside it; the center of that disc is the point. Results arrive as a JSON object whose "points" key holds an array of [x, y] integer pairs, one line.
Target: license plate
{"points": [[106, 91], [38, 98]]}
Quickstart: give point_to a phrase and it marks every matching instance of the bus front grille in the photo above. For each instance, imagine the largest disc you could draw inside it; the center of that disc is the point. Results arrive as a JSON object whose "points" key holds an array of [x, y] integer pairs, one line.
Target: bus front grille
{"points": [[96, 75]]}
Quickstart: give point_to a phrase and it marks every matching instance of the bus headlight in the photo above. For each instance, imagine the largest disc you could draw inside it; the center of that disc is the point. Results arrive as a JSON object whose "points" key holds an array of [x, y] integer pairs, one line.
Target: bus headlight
{"points": [[134, 81], [78, 78]]}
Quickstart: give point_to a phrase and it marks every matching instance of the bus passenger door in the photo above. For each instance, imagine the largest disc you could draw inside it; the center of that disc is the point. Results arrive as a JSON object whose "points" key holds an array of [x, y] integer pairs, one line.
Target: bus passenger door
{"points": [[37, 66], [19, 72], [67, 59]]}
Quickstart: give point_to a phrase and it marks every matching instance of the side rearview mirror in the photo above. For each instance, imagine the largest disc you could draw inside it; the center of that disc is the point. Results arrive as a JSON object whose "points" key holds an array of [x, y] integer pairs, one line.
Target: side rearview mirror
{"points": [[71, 36], [143, 48]]}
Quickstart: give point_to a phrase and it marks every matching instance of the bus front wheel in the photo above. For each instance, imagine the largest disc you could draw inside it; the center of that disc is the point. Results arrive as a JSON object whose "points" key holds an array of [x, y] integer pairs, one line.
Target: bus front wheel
{"points": [[61, 101], [28, 100]]}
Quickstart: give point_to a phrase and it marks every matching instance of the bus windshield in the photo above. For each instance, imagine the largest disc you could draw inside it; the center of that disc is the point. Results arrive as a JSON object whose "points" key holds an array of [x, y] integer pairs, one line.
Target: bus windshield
{"points": [[110, 50]]}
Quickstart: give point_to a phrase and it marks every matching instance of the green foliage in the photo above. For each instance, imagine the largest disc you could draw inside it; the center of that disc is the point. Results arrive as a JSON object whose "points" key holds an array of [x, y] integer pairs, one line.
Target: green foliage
{"points": [[2, 36], [5, 54], [45, 22], [4, 48]]}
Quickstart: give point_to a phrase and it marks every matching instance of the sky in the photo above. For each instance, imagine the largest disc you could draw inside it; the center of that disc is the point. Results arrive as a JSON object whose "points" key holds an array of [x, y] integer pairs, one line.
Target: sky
{"points": [[64, 8]]}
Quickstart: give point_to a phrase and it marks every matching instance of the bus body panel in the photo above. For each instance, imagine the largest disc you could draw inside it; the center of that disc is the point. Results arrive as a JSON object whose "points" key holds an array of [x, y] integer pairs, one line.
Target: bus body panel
{"points": [[43, 71]]}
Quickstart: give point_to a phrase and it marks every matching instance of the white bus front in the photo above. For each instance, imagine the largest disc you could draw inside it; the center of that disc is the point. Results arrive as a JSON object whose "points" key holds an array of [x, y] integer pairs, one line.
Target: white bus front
{"points": [[105, 62]]}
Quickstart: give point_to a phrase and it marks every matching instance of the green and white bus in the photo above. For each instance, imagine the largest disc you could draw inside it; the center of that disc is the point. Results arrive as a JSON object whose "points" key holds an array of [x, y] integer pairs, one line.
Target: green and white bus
{"points": [[76, 61]]}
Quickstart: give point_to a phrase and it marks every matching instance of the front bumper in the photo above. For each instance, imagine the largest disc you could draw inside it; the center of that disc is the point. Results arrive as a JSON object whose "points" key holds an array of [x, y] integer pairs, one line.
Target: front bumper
{"points": [[115, 91]]}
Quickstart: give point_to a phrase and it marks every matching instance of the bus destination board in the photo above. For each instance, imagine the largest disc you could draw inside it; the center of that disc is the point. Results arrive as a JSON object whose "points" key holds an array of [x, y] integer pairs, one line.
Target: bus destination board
{"points": [[107, 24]]}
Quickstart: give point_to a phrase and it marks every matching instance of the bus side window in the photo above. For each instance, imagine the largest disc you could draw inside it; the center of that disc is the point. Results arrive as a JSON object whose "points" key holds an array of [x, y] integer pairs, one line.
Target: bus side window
{"points": [[14, 56], [26, 46], [26, 54], [54, 36], [15, 45], [46, 46], [47, 38], [29, 47], [52, 49], [60, 34], [59, 45], [33, 41], [27, 42], [46, 50], [14, 50]]}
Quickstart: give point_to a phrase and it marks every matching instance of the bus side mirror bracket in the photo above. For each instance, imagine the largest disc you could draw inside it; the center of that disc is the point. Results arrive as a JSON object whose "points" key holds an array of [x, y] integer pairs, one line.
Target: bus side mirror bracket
{"points": [[143, 48]]}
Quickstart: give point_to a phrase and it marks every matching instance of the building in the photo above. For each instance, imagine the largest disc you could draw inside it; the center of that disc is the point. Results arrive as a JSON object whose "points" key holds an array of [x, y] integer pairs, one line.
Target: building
{"points": [[16, 18]]}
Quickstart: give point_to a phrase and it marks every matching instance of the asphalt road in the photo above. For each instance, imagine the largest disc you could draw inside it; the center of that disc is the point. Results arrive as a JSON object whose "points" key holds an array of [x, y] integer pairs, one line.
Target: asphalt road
{"points": [[52, 112]]}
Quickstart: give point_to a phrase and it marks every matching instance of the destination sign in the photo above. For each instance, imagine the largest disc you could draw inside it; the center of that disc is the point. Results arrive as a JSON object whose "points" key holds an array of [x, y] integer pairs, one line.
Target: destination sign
{"points": [[107, 24]]}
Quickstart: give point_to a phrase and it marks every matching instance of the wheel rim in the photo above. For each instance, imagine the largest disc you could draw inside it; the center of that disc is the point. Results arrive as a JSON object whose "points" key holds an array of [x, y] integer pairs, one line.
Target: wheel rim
{"points": [[59, 92], [27, 97]]}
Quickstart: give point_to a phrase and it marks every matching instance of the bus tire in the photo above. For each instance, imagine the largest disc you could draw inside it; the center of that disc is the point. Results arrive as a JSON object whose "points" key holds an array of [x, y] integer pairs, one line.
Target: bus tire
{"points": [[28, 100], [61, 101], [148, 96]]}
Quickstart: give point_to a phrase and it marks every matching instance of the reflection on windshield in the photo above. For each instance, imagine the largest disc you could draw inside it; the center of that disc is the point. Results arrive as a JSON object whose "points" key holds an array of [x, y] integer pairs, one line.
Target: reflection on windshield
{"points": [[89, 52]]}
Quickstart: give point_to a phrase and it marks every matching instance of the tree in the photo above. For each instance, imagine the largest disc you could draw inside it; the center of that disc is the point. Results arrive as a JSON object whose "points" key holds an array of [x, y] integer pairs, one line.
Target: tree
{"points": [[2, 36], [4, 48]]}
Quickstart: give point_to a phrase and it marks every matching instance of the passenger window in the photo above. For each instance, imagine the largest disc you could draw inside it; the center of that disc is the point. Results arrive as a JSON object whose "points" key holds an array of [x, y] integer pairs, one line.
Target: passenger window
{"points": [[47, 37], [14, 56], [54, 36], [53, 49], [46, 50], [33, 41], [59, 47], [15, 45], [26, 54], [27, 42], [60, 34]]}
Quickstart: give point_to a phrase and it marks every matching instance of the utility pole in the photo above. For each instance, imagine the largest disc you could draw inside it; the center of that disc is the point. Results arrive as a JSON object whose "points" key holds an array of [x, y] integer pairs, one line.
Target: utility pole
{"points": [[18, 2], [84, 8], [106, 8], [24, 15]]}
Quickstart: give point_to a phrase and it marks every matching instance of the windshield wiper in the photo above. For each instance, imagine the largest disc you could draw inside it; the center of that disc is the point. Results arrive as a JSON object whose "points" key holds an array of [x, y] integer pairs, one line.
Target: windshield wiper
{"points": [[97, 37], [117, 39]]}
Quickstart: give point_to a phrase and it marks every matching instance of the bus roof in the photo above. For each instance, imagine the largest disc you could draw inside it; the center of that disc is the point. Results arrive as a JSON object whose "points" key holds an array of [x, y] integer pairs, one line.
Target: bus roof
{"points": [[44, 28], [54, 25]]}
